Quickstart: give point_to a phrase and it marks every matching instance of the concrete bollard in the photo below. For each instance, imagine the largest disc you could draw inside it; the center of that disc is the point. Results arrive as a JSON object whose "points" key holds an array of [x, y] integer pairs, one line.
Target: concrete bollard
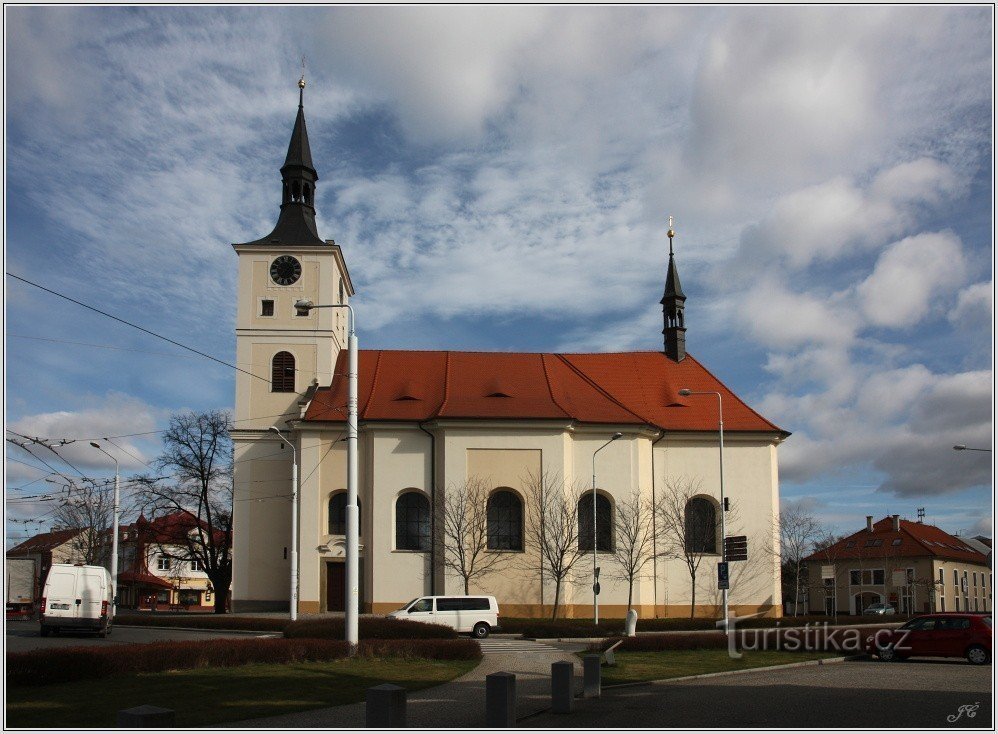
{"points": [[385, 707], [591, 676], [562, 687], [631, 623], [147, 717], [500, 700]]}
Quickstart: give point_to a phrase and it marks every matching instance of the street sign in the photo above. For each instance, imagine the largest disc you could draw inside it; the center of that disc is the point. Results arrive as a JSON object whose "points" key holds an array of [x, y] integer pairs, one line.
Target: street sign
{"points": [[722, 575], [736, 548]]}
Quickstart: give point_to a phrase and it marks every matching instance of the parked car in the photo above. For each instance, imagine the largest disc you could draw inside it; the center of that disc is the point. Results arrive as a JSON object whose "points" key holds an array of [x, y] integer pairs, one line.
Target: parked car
{"points": [[880, 609], [948, 635], [478, 615], [76, 597]]}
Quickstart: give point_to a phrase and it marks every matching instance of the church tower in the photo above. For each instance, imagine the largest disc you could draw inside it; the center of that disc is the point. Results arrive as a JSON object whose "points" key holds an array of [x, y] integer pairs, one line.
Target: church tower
{"points": [[282, 356], [673, 304], [286, 352]]}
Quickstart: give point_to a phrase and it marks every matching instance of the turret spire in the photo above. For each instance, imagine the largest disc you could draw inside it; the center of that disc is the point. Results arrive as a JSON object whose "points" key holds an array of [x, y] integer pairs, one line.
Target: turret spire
{"points": [[673, 304], [296, 224]]}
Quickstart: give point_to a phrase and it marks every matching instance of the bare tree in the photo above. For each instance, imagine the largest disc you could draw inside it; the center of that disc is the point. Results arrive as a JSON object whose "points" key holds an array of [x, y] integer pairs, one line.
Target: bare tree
{"points": [[89, 508], [687, 536], [552, 528], [198, 458], [465, 522], [800, 531], [632, 546]]}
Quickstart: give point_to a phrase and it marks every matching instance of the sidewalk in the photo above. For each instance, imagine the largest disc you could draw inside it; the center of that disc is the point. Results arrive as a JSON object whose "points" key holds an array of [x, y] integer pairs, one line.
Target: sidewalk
{"points": [[458, 704]]}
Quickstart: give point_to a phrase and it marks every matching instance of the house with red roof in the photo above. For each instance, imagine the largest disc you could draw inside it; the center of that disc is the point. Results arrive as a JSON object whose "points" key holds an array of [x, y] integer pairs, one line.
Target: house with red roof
{"points": [[913, 566], [433, 422], [55, 546]]}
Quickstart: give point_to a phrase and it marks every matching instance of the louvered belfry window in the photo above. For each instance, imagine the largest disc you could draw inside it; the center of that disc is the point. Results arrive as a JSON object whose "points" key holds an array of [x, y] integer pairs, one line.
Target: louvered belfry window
{"points": [[283, 372]]}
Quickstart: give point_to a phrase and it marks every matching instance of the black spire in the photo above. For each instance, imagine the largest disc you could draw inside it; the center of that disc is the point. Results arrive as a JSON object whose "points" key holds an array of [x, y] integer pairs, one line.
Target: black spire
{"points": [[673, 304], [296, 224]]}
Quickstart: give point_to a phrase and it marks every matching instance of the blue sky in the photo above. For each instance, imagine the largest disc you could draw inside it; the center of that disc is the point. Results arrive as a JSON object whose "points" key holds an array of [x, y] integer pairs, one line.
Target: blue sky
{"points": [[501, 179]]}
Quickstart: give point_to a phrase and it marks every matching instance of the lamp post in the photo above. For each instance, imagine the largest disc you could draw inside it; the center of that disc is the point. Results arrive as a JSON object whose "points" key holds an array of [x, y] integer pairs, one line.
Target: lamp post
{"points": [[294, 523], [961, 447], [595, 568], [720, 427], [353, 529], [114, 539]]}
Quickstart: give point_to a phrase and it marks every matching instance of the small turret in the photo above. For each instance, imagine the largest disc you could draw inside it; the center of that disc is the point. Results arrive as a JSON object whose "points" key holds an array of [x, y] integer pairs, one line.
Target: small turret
{"points": [[673, 304]]}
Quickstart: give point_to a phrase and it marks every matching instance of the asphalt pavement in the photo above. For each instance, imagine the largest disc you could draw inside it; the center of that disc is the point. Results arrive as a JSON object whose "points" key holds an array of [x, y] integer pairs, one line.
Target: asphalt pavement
{"points": [[861, 694], [22, 636]]}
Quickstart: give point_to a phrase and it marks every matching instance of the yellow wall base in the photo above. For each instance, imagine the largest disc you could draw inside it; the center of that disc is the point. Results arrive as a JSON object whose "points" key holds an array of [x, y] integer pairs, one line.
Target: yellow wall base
{"points": [[612, 611]]}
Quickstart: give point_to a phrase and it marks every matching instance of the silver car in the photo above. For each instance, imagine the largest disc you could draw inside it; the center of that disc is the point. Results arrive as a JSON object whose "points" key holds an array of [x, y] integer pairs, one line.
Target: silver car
{"points": [[880, 609]]}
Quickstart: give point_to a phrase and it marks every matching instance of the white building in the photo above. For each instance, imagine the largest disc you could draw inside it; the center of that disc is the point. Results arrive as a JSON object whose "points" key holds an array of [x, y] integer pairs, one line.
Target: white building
{"points": [[430, 421]]}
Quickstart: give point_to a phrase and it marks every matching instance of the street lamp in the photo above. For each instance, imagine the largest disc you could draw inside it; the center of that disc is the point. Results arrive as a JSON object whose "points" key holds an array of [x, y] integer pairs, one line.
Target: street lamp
{"points": [[114, 538], [961, 447], [595, 568], [294, 523], [685, 392], [352, 614]]}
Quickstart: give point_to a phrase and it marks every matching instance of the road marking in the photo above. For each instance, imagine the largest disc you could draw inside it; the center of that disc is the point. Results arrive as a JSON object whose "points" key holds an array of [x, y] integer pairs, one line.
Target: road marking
{"points": [[501, 647]]}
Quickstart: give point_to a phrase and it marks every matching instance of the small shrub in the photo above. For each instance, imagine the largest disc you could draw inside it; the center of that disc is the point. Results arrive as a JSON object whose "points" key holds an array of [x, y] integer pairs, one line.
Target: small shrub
{"points": [[426, 649], [373, 628], [62, 665]]}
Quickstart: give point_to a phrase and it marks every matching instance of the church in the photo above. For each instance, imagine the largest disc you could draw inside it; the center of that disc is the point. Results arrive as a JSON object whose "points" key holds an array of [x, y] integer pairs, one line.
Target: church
{"points": [[434, 423]]}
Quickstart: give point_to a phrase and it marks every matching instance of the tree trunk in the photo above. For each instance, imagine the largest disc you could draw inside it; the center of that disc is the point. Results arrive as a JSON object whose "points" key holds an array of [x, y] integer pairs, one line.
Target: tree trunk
{"points": [[466, 592], [630, 592], [220, 581], [693, 594], [557, 598]]}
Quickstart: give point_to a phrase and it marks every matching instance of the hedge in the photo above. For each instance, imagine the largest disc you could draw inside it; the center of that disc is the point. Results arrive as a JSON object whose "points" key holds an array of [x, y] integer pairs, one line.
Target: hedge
{"points": [[374, 628], [425, 649], [61, 665], [203, 621]]}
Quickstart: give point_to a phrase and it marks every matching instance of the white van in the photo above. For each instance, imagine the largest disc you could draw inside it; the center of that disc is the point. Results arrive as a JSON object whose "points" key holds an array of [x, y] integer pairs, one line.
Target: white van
{"points": [[76, 597], [478, 615]]}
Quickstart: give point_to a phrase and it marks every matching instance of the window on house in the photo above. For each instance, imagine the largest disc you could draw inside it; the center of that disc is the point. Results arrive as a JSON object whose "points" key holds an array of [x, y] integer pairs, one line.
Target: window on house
{"points": [[283, 372], [855, 578], [505, 521], [975, 582], [196, 565], [604, 524], [342, 292], [266, 308], [189, 598], [873, 543], [701, 526], [851, 544], [412, 522], [942, 579], [896, 541], [163, 563], [338, 513], [878, 577]]}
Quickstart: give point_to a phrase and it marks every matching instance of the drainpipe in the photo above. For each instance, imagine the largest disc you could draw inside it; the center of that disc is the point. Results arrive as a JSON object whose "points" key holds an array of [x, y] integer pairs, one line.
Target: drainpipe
{"points": [[433, 510], [654, 529]]}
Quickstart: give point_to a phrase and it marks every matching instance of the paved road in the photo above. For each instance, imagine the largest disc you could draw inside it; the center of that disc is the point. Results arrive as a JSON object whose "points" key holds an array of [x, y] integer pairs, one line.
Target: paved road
{"points": [[861, 694], [23, 636], [511, 646]]}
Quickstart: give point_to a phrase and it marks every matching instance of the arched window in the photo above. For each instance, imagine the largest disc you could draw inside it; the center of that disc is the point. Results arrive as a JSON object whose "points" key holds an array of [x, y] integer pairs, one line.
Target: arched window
{"points": [[412, 522], [338, 513], [604, 523], [282, 373], [701, 526], [505, 518]]}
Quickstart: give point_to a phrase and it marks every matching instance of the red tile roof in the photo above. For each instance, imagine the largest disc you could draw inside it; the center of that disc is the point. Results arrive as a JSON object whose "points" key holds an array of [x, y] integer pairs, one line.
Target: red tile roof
{"points": [[44, 541], [916, 540], [640, 388], [143, 579]]}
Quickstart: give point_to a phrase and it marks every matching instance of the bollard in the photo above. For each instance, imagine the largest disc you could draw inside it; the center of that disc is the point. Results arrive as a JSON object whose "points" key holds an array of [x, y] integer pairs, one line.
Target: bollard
{"points": [[631, 624], [562, 687], [500, 700], [385, 707], [591, 676], [147, 717]]}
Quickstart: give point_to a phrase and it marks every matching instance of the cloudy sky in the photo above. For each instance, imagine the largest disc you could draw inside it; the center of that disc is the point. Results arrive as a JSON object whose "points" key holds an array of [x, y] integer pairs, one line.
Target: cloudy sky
{"points": [[501, 179]]}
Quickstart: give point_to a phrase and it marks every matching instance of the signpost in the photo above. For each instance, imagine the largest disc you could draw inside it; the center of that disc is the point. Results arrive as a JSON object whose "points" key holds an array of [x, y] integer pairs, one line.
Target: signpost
{"points": [[722, 575], [736, 548]]}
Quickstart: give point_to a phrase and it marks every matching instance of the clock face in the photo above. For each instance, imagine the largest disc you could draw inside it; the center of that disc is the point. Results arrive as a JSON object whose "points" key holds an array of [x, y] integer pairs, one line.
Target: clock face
{"points": [[285, 270]]}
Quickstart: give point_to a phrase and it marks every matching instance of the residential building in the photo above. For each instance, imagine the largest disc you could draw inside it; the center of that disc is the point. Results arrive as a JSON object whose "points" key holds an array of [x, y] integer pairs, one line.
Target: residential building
{"points": [[913, 566], [55, 546], [434, 421]]}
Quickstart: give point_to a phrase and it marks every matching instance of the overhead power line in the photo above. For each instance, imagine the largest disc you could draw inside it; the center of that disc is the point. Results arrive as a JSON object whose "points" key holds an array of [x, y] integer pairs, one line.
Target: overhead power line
{"points": [[136, 326]]}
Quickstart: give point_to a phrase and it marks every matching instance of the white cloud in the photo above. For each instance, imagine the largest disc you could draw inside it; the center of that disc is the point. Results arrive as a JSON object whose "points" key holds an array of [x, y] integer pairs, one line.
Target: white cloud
{"points": [[974, 306], [909, 277]]}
